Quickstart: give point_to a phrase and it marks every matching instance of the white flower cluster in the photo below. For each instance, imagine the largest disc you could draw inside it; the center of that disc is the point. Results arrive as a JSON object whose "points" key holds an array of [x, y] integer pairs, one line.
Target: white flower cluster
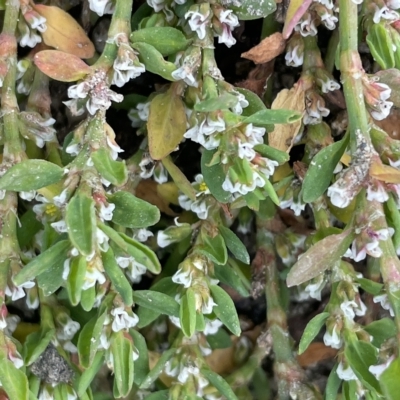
{"points": [[199, 206], [101, 7], [28, 28], [96, 90]]}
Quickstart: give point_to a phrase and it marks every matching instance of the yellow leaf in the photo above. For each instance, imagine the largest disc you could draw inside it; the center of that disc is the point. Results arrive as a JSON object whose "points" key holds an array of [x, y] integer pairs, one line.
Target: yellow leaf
{"points": [[346, 159], [64, 33], [283, 136], [384, 173], [166, 125]]}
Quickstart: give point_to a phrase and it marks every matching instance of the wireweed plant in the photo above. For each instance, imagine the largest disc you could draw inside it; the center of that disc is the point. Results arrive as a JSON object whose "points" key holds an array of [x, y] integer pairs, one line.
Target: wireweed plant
{"points": [[136, 259]]}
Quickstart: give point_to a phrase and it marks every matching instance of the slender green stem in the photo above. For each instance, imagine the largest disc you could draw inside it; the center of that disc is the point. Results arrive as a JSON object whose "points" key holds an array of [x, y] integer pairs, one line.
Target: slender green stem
{"points": [[352, 71], [330, 56]]}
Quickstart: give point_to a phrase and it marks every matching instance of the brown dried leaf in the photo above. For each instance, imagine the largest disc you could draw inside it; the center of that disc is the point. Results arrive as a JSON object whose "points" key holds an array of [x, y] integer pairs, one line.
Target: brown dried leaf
{"points": [[315, 353], [284, 135], [147, 190], [267, 49], [384, 173], [257, 78], [61, 66], [64, 33]]}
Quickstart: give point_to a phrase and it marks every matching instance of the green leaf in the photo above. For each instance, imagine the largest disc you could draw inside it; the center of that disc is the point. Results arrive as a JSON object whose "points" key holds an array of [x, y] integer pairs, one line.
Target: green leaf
{"points": [[166, 124], [234, 244], [141, 253], [132, 212], [381, 331], [270, 152], [381, 45], [13, 380], [31, 175], [76, 279], [361, 355], [154, 61], [187, 313], [214, 248], [369, 286], [320, 257], [271, 192], [253, 9], [220, 340], [312, 330], [130, 101], [230, 277], [320, 170], [221, 102], [142, 12], [390, 382], [89, 374], [117, 277], [36, 343], [219, 383], [265, 117], [51, 280], [89, 339], [42, 262], [225, 309], [80, 219], [160, 395], [156, 301], [88, 297], [214, 177], [165, 39], [141, 364], [157, 369], [179, 178], [121, 349], [255, 103], [333, 385], [113, 171], [28, 227]]}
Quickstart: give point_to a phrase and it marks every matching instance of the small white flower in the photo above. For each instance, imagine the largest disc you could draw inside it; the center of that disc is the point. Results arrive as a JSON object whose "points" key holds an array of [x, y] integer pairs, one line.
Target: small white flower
{"points": [[377, 370], [346, 374], [106, 212], [306, 26], [61, 199], [339, 196], [294, 58], [183, 278], [329, 20], [92, 276], [385, 303], [186, 74], [28, 37], [142, 234], [122, 320], [136, 269], [226, 37], [73, 149], [158, 5], [17, 292], [385, 13], [198, 23], [381, 110], [60, 226], [314, 289], [330, 85], [350, 309], [68, 330], [241, 103], [101, 7], [212, 326], [333, 339], [163, 240], [16, 359], [115, 149], [28, 196]]}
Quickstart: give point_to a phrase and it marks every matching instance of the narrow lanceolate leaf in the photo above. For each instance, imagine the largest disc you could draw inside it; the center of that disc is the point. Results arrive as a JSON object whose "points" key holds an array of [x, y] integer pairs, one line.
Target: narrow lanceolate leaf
{"points": [[76, 278], [157, 369], [179, 178], [166, 125], [381, 45], [31, 175], [165, 39], [225, 309], [156, 301], [81, 223], [390, 382], [274, 154], [214, 176], [222, 102], [43, 262], [187, 313], [121, 349], [320, 257], [13, 380], [88, 375], [320, 171], [234, 244], [132, 212], [265, 117], [117, 277], [154, 61], [252, 9], [64, 33], [312, 330], [219, 383], [113, 171]]}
